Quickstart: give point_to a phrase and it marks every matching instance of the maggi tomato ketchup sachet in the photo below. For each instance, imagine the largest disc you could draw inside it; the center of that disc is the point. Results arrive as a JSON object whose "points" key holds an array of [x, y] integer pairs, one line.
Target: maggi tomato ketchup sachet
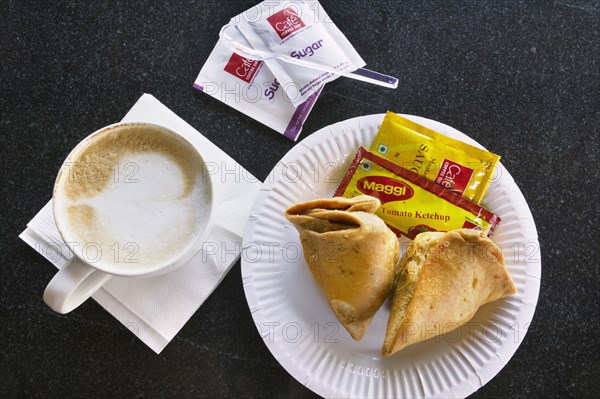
{"points": [[411, 204]]}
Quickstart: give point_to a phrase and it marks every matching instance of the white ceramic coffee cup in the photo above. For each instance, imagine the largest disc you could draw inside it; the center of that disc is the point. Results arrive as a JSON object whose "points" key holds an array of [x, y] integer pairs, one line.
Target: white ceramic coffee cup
{"points": [[78, 280]]}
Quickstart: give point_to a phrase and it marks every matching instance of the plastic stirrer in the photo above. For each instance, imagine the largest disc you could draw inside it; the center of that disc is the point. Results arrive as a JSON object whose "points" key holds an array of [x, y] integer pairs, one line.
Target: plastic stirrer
{"points": [[362, 74]]}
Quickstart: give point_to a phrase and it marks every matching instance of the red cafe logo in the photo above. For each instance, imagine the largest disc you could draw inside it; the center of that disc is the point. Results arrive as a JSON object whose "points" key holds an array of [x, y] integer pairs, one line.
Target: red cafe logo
{"points": [[454, 176], [286, 22], [242, 68], [385, 188]]}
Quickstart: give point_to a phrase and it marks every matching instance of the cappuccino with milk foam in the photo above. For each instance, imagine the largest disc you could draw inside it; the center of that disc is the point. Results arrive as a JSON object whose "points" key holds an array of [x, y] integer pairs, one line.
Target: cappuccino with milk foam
{"points": [[132, 196]]}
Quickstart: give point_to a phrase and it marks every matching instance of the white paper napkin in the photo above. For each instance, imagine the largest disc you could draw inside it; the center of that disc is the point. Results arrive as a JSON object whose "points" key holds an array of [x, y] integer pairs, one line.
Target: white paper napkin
{"points": [[156, 308]]}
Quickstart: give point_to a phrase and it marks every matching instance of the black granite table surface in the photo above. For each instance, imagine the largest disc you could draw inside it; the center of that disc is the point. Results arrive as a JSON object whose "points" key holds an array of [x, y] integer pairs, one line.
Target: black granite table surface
{"points": [[520, 77]]}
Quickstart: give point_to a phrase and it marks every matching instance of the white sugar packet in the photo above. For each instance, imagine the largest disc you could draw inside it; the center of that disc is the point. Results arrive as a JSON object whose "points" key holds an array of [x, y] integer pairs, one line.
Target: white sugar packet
{"points": [[250, 87], [300, 29], [156, 308]]}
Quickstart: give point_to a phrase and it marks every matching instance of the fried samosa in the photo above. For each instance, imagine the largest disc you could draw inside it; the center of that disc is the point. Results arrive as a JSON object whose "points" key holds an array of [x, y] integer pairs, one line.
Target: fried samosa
{"points": [[351, 254], [441, 281]]}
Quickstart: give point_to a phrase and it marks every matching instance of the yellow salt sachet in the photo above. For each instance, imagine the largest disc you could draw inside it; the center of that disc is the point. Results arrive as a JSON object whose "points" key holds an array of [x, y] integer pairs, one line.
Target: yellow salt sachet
{"points": [[411, 204], [454, 165]]}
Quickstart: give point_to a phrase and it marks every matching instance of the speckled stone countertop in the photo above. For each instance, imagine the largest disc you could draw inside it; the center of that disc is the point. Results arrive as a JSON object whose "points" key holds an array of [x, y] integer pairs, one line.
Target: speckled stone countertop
{"points": [[520, 77]]}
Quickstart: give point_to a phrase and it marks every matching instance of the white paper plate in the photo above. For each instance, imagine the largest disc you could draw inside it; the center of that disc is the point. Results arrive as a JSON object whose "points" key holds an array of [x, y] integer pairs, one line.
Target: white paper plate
{"points": [[297, 325]]}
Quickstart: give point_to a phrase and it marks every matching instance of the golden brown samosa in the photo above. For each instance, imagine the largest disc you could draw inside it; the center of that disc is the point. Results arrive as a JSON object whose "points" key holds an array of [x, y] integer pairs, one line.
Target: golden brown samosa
{"points": [[351, 254], [441, 281]]}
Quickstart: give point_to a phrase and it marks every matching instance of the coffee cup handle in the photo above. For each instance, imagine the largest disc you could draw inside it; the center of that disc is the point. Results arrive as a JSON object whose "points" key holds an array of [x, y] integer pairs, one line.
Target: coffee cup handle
{"points": [[72, 285]]}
